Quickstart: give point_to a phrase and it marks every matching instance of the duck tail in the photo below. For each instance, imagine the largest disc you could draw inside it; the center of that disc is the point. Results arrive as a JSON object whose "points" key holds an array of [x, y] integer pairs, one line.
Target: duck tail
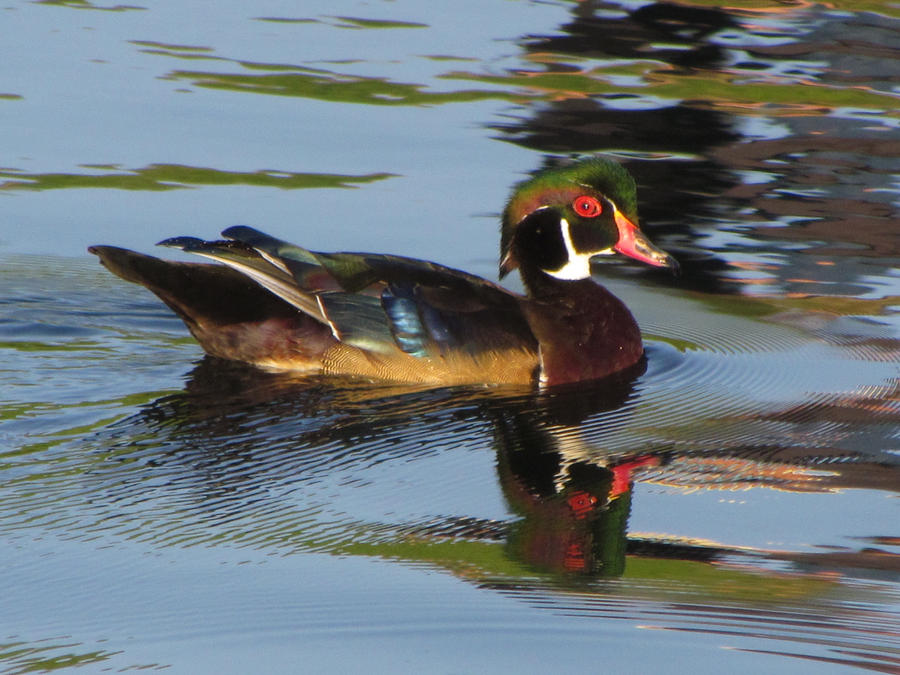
{"points": [[230, 315], [195, 291]]}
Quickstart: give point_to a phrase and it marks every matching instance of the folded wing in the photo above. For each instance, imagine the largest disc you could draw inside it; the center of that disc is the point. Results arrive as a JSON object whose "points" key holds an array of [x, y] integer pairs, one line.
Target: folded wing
{"points": [[385, 305]]}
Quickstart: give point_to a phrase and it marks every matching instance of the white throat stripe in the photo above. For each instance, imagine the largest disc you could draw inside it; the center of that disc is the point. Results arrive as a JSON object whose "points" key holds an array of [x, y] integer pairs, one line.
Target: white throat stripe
{"points": [[578, 265]]}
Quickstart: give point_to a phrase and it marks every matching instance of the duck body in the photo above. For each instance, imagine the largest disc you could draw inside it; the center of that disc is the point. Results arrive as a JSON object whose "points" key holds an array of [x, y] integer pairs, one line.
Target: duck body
{"points": [[392, 318]]}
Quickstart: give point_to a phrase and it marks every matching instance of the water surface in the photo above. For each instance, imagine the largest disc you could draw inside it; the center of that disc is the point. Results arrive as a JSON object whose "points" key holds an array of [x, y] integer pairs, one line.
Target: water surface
{"points": [[731, 505]]}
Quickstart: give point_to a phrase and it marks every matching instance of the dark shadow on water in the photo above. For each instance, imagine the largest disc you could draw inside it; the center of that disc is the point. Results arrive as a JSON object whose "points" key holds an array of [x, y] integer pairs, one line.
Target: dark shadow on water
{"points": [[685, 29], [801, 182]]}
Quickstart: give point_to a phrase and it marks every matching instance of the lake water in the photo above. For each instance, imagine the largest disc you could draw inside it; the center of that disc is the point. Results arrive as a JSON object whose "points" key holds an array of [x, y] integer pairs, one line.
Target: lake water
{"points": [[733, 508]]}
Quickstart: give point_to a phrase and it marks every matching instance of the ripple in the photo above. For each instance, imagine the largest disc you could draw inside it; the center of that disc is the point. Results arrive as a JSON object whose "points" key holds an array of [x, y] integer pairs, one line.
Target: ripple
{"points": [[862, 635], [283, 463]]}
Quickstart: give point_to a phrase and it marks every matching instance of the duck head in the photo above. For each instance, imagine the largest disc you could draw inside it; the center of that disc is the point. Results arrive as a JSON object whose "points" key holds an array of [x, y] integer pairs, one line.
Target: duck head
{"points": [[557, 221]]}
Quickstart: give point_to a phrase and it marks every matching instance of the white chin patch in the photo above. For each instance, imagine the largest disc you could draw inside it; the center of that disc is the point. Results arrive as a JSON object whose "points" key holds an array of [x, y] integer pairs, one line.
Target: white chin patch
{"points": [[578, 265]]}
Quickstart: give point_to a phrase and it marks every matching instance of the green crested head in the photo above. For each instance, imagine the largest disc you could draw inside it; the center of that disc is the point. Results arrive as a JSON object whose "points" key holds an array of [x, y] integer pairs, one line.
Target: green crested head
{"points": [[563, 216]]}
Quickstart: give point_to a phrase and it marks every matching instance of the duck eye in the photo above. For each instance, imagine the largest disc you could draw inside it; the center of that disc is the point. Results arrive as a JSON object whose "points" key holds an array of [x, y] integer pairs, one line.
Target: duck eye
{"points": [[587, 207]]}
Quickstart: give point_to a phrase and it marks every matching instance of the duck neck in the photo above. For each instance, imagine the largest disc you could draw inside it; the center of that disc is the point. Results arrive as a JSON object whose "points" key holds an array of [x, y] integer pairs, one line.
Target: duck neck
{"points": [[585, 332], [541, 286]]}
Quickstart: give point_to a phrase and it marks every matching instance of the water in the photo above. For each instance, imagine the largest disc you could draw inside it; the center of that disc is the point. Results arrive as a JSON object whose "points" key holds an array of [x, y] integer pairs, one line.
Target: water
{"points": [[733, 507]]}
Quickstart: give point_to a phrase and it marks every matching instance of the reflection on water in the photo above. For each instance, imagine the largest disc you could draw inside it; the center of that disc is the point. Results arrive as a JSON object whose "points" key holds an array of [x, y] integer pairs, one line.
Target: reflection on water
{"points": [[778, 178], [738, 490], [279, 464], [237, 438], [173, 177]]}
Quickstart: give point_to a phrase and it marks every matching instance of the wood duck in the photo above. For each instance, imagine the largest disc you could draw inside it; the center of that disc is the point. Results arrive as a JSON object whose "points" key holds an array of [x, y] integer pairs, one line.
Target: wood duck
{"points": [[398, 319]]}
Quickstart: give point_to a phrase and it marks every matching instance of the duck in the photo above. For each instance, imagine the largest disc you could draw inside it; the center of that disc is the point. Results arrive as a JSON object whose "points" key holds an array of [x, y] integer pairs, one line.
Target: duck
{"points": [[278, 306]]}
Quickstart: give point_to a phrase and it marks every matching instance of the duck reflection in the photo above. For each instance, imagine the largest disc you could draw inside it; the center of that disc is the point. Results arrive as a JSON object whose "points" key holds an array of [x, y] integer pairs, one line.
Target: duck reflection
{"points": [[579, 527], [573, 504], [240, 439], [572, 499]]}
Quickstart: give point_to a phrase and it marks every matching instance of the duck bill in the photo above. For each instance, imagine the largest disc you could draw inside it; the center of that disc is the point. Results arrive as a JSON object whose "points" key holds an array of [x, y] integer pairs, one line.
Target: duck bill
{"points": [[634, 243]]}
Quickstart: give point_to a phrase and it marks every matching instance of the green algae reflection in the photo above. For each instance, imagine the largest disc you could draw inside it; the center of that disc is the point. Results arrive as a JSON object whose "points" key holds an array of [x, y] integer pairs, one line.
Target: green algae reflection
{"points": [[280, 79], [643, 77], [353, 22], [84, 4], [721, 90], [47, 655], [346, 22], [178, 176], [325, 85], [733, 90]]}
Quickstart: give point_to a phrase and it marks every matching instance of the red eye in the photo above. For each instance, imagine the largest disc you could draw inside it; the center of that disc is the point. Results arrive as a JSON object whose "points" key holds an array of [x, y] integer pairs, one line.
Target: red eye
{"points": [[587, 207]]}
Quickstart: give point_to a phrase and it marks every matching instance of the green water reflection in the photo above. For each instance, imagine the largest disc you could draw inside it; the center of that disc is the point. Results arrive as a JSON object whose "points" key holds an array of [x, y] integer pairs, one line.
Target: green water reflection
{"points": [[740, 89], [86, 4], [48, 655], [326, 85], [174, 177]]}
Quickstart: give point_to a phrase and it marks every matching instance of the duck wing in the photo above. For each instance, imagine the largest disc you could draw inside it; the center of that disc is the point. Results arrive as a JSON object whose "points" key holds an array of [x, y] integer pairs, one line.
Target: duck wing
{"points": [[382, 304]]}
